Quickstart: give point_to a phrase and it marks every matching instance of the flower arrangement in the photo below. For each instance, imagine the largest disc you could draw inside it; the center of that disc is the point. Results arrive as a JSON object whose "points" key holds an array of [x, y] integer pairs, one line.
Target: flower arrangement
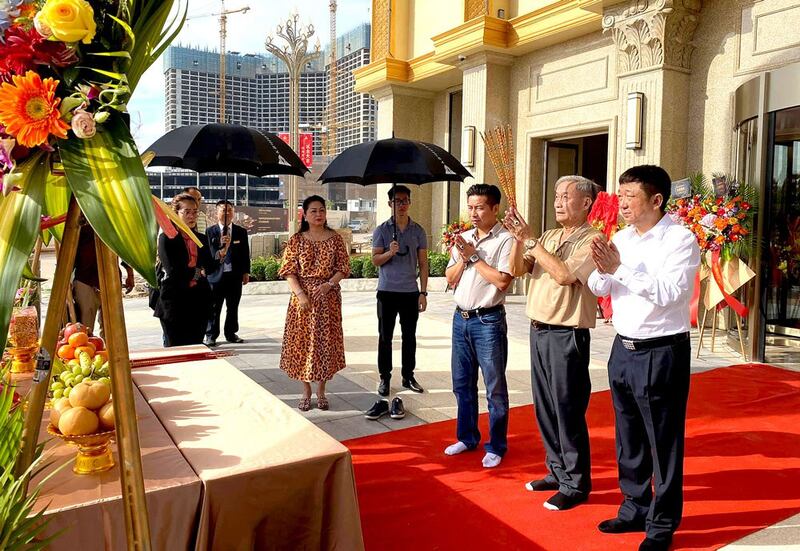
{"points": [[451, 231], [721, 223], [67, 71]]}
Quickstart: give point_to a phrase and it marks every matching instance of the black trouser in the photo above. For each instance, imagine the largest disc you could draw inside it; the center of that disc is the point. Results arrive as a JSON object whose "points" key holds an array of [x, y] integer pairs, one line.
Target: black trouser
{"points": [[391, 304], [561, 391], [183, 331], [228, 290], [650, 389]]}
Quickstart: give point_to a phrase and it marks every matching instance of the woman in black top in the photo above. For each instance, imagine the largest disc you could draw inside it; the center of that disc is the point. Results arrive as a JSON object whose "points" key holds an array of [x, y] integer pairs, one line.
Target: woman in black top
{"points": [[184, 304]]}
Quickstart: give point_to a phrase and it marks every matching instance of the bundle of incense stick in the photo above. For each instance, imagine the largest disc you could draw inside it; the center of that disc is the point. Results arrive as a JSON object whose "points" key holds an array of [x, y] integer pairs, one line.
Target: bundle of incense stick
{"points": [[500, 147]]}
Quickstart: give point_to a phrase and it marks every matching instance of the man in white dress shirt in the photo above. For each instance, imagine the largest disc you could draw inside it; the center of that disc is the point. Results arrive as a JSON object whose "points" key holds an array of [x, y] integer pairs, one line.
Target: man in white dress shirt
{"points": [[648, 269], [480, 272]]}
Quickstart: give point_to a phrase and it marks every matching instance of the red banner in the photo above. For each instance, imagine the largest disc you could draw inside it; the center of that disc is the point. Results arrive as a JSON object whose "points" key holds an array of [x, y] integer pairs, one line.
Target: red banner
{"points": [[306, 148], [716, 271]]}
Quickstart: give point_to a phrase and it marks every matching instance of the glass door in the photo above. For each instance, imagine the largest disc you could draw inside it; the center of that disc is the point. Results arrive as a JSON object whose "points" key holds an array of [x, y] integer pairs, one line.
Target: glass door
{"points": [[782, 211]]}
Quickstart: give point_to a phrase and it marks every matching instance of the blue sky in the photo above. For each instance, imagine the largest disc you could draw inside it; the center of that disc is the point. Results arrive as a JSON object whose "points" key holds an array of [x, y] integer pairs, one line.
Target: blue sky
{"points": [[246, 34]]}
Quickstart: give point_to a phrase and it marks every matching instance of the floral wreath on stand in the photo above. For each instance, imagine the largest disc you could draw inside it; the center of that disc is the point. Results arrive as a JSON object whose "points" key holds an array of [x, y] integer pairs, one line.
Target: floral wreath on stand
{"points": [[720, 215]]}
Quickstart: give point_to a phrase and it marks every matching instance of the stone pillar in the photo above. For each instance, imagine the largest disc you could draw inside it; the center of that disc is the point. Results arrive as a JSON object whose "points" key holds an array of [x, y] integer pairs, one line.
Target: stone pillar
{"points": [[486, 89], [408, 113], [654, 50]]}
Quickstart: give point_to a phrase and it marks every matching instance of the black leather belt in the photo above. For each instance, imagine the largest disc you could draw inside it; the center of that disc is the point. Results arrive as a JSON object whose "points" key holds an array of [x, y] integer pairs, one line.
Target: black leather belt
{"points": [[655, 342], [466, 314], [548, 327]]}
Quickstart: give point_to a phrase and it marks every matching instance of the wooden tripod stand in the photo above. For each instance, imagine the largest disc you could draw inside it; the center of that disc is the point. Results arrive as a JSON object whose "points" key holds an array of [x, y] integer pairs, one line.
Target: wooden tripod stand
{"points": [[133, 495], [714, 332]]}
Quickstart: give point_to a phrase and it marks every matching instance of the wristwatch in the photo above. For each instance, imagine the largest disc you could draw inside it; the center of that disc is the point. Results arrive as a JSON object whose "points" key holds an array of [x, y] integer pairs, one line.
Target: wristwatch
{"points": [[424, 293], [474, 258], [531, 243]]}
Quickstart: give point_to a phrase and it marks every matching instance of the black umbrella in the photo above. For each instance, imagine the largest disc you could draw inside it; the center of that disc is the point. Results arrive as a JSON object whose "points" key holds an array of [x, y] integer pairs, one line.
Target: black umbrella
{"points": [[394, 160], [226, 148]]}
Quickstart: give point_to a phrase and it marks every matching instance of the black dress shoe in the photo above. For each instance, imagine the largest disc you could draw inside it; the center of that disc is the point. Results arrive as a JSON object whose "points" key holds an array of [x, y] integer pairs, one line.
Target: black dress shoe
{"points": [[619, 526], [236, 339], [383, 387], [412, 384], [378, 410], [563, 502], [210, 342], [650, 544], [397, 411], [541, 485]]}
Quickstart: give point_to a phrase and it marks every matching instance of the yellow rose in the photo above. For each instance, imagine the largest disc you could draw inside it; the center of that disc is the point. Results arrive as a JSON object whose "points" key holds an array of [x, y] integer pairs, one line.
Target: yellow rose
{"points": [[68, 20]]}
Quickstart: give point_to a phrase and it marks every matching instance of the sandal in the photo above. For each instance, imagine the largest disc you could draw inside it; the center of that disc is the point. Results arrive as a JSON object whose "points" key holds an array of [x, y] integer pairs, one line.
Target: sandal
{"points": [[322, 403], [304, 404]]}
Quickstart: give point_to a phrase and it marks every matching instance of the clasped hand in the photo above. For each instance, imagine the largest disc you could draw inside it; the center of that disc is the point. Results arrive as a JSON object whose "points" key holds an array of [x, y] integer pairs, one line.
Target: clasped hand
{"points": [[516, 224], [465, 248], [605, 255]]}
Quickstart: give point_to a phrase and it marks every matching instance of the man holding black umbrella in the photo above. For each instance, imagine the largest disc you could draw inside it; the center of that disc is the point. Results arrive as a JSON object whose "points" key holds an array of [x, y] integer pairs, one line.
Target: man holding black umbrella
{"points": [[399, 248], [229, 246]]}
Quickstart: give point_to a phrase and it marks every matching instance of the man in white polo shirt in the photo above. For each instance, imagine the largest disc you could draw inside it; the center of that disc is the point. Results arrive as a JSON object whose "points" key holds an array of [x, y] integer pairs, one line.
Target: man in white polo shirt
{"points": [[649, 270], [480, 272]]}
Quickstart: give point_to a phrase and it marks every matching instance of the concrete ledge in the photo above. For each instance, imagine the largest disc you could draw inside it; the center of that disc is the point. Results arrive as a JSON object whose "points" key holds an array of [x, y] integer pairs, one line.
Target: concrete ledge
{"points": [[280, 287]]}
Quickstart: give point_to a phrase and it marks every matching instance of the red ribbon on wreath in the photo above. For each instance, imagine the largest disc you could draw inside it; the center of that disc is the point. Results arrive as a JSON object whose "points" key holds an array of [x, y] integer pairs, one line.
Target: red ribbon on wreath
{"points": [[716, 271], [695, 302]]}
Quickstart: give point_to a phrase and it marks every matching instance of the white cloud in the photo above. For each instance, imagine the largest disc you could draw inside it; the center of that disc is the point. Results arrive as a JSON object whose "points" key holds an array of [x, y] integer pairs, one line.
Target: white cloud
{"points": [[247, 33]]}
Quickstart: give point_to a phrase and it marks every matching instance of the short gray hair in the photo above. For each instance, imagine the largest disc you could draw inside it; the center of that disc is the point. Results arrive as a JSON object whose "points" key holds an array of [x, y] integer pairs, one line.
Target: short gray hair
{"points": [[584, 185]]}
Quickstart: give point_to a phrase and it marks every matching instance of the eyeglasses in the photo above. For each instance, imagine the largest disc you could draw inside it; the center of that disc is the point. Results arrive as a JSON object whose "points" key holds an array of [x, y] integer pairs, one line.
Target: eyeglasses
{"points": [[402, 202]]}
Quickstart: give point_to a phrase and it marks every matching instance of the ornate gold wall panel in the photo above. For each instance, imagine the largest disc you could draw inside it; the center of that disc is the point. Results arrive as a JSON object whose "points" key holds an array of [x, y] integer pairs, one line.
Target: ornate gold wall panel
{"points": [[380, 29], [475, 8]]}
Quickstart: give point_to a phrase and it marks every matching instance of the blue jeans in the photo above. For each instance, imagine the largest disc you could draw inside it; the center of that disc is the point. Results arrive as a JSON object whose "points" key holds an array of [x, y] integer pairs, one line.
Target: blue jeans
{"points": [[481, 342]]}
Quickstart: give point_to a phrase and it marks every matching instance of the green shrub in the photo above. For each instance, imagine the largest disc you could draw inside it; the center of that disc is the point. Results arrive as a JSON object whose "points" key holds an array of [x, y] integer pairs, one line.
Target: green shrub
{"points": [[437, 263], [272, 265], [355, 267], [368, 269], [258, 267]]}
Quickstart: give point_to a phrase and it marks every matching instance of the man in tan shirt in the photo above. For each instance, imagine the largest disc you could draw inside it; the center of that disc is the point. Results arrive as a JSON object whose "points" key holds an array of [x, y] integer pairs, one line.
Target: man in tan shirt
{"points": [[562, 309]]}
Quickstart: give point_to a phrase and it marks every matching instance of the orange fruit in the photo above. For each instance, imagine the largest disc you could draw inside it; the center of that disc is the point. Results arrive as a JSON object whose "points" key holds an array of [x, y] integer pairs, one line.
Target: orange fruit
{"points": [[66, 352], [103, 354], [78, 339], [88, 348]]}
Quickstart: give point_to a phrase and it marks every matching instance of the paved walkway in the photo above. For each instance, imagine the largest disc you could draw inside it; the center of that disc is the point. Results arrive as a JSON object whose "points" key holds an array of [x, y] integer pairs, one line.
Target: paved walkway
{"points": [[353, 391]]}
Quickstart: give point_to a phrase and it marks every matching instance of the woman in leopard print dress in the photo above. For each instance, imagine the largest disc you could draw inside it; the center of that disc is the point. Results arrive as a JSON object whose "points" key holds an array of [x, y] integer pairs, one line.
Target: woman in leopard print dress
{"points": [[314, 262]]}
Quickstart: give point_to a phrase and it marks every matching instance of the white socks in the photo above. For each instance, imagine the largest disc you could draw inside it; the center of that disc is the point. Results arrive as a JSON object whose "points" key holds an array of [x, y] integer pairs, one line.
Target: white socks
{"points": [[455, 449], [491, 460]]}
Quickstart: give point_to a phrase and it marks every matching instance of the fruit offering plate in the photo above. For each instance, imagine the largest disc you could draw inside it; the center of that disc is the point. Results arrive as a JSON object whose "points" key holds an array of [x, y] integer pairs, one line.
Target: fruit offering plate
{"points": [[94, 450]]}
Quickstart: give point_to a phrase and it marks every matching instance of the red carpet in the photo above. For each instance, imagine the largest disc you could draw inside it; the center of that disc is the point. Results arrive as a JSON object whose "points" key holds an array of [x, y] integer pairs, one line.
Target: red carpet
{"points": [[742, 468]]}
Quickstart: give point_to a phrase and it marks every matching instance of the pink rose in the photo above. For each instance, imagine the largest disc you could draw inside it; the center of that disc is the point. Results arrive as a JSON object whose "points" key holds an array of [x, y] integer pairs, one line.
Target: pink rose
{"points": [[83, 124]]}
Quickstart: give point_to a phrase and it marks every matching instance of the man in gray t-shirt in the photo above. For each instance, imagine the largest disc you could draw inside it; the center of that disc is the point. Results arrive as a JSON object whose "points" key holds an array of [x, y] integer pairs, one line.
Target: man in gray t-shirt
{"points": [[399, 248]]}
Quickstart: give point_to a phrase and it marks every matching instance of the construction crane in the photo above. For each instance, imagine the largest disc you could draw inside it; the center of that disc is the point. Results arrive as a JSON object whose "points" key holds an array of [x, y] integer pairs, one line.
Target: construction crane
{"points": [[223, 33], [332, 114]]}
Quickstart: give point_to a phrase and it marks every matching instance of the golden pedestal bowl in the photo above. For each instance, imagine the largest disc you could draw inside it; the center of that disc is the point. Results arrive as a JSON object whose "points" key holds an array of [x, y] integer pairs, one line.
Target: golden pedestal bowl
{"points": [[94, 450], [23, 359]]}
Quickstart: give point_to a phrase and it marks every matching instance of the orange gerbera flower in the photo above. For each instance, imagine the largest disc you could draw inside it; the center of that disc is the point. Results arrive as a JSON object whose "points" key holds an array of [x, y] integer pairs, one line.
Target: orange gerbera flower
{"points": [[29, 109]]}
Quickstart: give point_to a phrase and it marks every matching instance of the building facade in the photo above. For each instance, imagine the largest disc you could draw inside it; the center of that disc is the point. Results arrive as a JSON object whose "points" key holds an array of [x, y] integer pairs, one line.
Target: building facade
{"points": [[594, 87]]}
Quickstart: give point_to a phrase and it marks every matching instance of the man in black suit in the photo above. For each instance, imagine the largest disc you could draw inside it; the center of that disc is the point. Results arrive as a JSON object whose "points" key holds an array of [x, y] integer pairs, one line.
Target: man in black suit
{"points": [[229, 246]]}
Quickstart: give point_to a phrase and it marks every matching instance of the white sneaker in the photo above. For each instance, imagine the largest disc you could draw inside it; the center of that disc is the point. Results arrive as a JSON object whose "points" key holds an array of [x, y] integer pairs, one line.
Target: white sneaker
{"points": [[455, 449], [491, 460]]}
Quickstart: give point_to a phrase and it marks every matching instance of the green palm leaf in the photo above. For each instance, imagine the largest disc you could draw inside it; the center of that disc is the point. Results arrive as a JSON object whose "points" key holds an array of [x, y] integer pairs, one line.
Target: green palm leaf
{"points": [[107, 178], [20, 213], [56, 201]]}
